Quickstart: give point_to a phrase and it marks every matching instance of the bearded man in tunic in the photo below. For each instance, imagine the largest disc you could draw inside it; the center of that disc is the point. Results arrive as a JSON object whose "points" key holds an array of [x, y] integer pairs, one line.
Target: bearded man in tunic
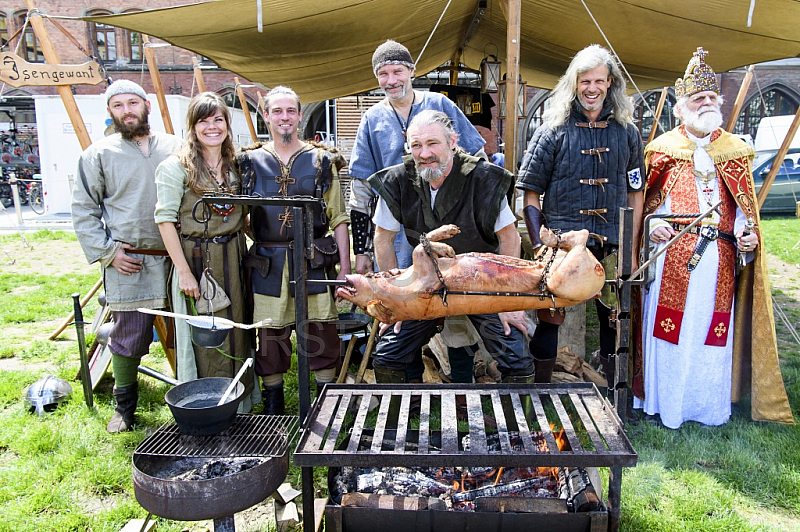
{"points": [[112, 212], [708, 332], [283, 168]]}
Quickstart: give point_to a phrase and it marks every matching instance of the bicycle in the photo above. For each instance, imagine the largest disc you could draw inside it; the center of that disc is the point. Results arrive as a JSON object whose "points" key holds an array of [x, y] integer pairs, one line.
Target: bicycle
{"points": [[35, 198]]}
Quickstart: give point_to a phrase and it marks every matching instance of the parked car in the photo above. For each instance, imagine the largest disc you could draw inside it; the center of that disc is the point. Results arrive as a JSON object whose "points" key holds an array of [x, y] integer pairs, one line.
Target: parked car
{"points": [[785, 190]]}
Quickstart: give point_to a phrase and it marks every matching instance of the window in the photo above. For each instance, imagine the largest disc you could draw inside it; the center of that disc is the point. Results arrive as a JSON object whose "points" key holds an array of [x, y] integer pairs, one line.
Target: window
{"points": [[135, 43], [106, 41], [644, 115], [3, 30], [137, 47], [775, 102], [30, 49]]}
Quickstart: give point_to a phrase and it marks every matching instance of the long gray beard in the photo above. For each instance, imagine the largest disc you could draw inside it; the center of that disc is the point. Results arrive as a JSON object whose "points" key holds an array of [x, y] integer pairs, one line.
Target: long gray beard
{"points": [[430, 174], [705, 123]]}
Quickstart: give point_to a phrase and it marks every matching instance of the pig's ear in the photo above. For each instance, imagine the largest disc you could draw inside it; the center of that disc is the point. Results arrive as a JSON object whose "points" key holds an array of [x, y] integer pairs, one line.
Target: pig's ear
{"points": [[377, 310]]}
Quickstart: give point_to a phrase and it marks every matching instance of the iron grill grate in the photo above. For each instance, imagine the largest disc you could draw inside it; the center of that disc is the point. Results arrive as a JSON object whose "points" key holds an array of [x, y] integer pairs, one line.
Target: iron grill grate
{"points": [[249, 436], [340, 431]]}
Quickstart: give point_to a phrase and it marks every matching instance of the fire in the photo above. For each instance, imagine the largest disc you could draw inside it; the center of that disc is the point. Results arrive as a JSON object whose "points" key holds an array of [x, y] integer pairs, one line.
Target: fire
{"points": [[562, 443]]}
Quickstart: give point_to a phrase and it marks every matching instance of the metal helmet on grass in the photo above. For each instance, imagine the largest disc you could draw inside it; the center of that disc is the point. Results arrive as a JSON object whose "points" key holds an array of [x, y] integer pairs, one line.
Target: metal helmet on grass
{"points": [[46, 394]]}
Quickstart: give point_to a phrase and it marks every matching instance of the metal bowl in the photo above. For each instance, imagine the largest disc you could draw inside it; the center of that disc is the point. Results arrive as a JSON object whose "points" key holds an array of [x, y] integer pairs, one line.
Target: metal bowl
{"points": [[208, 333], [352, 322]]}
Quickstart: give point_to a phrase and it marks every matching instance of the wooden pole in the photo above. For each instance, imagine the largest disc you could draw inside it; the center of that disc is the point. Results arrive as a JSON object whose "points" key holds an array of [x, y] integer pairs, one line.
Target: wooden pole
{"points": [[65, 91], [513, 13], [454, 67], [657, 116], [198, 76], [260, 102], [777, 162], [737, 105], [64, 324], [152, 66], [246, 109]]}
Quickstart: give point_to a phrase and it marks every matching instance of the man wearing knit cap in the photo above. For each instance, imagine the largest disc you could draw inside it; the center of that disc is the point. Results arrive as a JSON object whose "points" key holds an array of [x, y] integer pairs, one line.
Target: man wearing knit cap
{"points": [[112, 211], [380, 143], [708, 337]]}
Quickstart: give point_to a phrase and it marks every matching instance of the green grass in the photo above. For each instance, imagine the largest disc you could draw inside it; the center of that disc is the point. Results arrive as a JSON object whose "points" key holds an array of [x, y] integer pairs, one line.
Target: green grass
{"points": [[63, 472]]}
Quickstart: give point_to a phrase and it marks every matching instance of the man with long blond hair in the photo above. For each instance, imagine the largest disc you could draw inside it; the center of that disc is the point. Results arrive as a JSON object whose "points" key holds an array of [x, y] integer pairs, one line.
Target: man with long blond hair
{"points": [[582, 165]]}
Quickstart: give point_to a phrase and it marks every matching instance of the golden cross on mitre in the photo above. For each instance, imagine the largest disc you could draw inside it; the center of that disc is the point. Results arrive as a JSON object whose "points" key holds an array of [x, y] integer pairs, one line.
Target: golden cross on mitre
{"points": [[700, 54]]}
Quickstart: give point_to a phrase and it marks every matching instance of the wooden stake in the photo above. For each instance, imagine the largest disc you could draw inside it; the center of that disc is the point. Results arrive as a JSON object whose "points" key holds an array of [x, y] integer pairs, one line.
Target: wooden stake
{"points": [[71, 316], [373, 333], [657, 116], [777, 162], [513, 12], [152, 66], [737, 105], [198, 76], [246, 109], [65, 91]]}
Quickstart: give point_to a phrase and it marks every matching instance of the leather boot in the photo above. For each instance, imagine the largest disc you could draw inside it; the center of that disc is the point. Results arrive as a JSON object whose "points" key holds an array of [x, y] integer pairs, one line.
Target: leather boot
{"points": [[415, 405], [462, 363], [126, 399], [526, 400], [543, 369], [274, 404]]}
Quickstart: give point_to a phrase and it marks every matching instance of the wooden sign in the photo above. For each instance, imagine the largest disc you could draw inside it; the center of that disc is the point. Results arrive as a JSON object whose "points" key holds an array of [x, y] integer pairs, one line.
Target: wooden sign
{"points": [[17, 72]]}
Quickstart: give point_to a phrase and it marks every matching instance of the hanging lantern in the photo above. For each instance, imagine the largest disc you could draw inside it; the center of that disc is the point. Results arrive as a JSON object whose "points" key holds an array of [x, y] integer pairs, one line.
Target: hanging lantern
{"points": [[490, 74], [521, 98]]}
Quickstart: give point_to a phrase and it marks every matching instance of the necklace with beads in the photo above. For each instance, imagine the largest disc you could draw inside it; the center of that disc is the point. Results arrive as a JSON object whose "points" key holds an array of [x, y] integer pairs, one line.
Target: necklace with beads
{"points": [[226, 209]]}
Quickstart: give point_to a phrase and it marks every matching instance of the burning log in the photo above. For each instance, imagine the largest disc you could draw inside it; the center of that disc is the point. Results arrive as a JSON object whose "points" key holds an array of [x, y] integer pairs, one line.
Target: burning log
{"points": [[392, 502], [502, 489], [403, 480], [578, 490]]}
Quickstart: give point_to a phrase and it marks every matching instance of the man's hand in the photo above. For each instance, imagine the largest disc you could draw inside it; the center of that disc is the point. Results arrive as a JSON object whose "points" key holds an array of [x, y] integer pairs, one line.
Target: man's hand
{"points": [[363, 264], [747, 242], [517, 319], [662, 234], [385, 327], [124, 263]]}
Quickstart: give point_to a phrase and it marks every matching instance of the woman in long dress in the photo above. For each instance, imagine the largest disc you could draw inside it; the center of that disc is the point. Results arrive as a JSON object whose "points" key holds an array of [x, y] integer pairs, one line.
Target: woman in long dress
{"points": [[205, 164]]}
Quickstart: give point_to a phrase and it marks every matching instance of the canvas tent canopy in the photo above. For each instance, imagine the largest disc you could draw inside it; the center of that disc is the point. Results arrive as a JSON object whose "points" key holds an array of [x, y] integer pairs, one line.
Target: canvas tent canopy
{"points": [[323, 49]]}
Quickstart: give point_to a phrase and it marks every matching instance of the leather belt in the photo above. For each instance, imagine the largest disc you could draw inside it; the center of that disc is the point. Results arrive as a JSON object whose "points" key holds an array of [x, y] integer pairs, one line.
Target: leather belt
{"points": [[596, 151], [696, 230], [593, 182], [221, 239], [595, 212], [159, 252], [600, 124], [273, 244], [707, 233]]}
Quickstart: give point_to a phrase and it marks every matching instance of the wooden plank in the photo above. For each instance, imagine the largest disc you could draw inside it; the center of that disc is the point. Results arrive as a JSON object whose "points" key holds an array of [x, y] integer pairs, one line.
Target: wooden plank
{"points": [[152, 66]]}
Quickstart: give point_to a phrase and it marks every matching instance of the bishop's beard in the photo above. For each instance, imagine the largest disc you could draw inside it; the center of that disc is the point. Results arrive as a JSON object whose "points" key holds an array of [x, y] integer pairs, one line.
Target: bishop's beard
{"points": [[705, 120]]}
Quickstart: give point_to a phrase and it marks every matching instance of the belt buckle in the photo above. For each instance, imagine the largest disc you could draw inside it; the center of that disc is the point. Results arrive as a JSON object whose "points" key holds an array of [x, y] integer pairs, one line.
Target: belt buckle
{"points": [[709, 232]]}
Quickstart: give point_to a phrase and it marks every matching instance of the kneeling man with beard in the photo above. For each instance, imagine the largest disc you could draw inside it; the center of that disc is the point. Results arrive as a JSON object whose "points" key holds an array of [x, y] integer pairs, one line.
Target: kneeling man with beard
{"points": [[439, 184], [708, 337]]}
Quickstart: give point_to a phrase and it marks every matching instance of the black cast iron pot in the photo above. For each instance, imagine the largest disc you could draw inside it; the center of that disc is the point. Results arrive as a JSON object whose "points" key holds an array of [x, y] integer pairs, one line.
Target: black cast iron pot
{"points": [[194, 403]]}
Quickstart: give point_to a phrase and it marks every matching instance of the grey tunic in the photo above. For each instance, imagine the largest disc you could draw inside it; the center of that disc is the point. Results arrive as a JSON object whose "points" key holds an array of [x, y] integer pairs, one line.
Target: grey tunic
{"points": [[113, 203]]}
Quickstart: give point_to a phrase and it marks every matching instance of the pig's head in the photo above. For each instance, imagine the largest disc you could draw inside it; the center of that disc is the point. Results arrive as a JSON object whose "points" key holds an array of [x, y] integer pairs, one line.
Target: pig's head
{"points": [[363, 291]]}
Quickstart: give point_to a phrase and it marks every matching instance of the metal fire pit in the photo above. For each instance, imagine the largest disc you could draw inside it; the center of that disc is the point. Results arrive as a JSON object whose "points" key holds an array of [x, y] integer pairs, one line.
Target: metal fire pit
{"points": [[593, 432], [259, 437]]}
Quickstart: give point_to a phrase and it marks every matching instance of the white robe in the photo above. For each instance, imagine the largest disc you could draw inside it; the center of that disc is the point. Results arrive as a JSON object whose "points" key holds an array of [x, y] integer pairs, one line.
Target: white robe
{"points": [[690, 381]]}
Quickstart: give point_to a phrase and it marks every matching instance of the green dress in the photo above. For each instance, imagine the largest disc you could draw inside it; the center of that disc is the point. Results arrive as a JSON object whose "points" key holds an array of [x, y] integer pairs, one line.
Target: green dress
{"points": [[175, 203]]}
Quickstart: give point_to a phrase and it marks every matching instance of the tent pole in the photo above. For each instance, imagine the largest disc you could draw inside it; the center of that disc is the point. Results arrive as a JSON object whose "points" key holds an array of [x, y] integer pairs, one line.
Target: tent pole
{"points": [[657, 116], [246, 109], [737, 105], [777, 162], [454, 67], [198, 75], [65, 91], [152, 66], [513, 12]]}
